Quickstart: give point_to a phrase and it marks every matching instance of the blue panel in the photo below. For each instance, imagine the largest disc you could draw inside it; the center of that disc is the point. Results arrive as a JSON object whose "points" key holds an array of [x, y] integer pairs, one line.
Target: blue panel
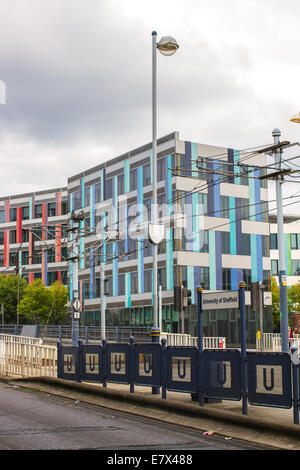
{"points": [[147, 364], [182, 368], [92, 363], [222, 374], [269, 379], [118, 363], [68, 366]]}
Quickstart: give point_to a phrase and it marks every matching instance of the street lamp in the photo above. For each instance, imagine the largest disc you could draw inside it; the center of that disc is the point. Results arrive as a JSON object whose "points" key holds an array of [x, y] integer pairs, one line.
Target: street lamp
{"points": [[167, 46]]}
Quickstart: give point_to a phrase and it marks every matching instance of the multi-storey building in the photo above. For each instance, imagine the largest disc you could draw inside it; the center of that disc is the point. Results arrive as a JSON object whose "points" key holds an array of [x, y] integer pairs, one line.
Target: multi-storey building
{"points": [[215, 211], [217, 233], [292, 248], [33, 235]]}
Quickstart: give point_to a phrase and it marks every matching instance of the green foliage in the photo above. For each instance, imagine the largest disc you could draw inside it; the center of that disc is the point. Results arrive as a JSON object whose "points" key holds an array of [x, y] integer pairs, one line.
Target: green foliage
{"points": [[44, 304], [12, 288], [275, 303], [293, 296]]}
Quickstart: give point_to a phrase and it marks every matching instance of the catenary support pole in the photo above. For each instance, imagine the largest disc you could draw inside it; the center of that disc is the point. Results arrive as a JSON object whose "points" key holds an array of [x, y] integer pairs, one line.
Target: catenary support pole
{"points": [[102, 300], [281, 252]]}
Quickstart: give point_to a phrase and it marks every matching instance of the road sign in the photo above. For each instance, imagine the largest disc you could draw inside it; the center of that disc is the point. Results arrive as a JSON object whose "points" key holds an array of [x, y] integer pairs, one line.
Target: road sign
{"points": [[77, 305], [218, 300], [76, 314]]}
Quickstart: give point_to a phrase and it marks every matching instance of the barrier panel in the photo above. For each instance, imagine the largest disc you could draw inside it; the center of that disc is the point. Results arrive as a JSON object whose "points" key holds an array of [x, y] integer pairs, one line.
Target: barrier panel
{"points": [[181, 373], [272, 379], [269, 379], [69, 364], [223, 374], [92, 363], [117, 363], [147, 364]]}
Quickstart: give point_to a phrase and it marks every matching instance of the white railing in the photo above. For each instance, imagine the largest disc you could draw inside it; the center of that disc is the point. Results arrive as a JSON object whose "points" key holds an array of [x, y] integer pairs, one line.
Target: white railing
{"points": [[27, 357], [272, 342], [178, 339]]}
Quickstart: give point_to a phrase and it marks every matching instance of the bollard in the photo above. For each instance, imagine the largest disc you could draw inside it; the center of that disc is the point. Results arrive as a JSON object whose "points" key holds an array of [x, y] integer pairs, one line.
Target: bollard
{"points": [[155, 335], [164, 368], [242, 287], [131, 364], [295, 373], [104, 344]]}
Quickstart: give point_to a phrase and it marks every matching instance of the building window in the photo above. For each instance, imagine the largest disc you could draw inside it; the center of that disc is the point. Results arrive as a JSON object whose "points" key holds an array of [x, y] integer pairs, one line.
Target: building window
{"points": [[224, 207], [25, 235], [161, 278], [226, 278], [274, 267], [121, 284], [108, 188], [148, 280], [295, 267], [87, 194], [25, 213], [273, 241], [265, 245], [25, 255], [97, 192], [161, 169], [134, 283], [13, 214], [64, 207], [2, 216], [12, 236], [1, 260], [76, 201], [133, 179], [121, 184], [146, 175], [225, 243], [247, 278], [38, 211], [51, 209], [1, 238], [246, 244]]}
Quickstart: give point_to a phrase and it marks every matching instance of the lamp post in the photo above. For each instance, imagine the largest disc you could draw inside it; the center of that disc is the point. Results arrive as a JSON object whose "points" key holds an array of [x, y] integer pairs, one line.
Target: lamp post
{"points": [[167, 46]]}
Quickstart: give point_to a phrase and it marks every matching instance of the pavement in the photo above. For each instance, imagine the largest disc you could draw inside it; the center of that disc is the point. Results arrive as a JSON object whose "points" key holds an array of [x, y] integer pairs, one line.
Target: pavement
{"points": [[268, 426]]}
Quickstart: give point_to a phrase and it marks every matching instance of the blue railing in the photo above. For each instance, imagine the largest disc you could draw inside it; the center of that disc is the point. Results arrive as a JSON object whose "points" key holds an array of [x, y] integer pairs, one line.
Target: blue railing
{"points": [[272, 379]]}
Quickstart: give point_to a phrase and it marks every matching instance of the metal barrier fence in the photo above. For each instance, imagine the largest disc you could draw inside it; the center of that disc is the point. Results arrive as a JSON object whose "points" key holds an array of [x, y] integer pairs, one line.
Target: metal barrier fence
{"points": [[272, 342], [272, 378]]}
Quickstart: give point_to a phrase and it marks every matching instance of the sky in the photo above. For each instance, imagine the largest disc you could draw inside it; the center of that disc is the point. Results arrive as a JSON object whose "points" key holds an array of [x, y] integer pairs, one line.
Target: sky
{"points": [[77, 78]]}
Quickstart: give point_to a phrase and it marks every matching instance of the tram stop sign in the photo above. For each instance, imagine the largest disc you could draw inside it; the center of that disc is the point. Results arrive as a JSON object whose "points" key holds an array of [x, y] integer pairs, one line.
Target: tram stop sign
{"points": [[76, 305]]}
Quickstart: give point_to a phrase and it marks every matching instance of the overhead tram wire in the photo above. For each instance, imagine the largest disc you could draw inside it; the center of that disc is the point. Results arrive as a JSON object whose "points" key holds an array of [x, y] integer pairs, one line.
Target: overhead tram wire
{"points": [[221, 225]]}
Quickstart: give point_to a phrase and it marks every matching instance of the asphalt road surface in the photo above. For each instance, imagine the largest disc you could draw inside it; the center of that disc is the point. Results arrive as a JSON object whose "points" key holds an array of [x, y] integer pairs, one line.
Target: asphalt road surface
{"points": [[31, 420]]}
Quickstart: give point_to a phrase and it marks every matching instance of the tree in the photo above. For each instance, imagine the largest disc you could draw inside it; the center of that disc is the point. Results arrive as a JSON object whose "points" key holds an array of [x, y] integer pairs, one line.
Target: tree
{"points": [[36, 302], [59, 299], [44, 304], [294, 297], [275, 303], [12, 289]]}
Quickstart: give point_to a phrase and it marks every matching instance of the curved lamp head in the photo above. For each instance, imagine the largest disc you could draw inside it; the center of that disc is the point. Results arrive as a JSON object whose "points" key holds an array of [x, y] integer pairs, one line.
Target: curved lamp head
{"points": [[167, 45], [296, 118]]}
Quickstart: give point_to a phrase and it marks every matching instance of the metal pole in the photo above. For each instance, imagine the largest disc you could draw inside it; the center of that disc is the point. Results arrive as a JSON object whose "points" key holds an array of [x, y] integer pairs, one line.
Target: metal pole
{"points": [[261, 319], [75, 320], [102, 295], [242, 287], [284, 323], [154, 177], [200, 346], [160, 307]]}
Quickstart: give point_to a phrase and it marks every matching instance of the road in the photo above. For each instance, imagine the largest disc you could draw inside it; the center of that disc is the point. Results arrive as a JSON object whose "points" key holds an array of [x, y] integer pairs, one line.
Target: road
{"points": [[32, 420]]}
